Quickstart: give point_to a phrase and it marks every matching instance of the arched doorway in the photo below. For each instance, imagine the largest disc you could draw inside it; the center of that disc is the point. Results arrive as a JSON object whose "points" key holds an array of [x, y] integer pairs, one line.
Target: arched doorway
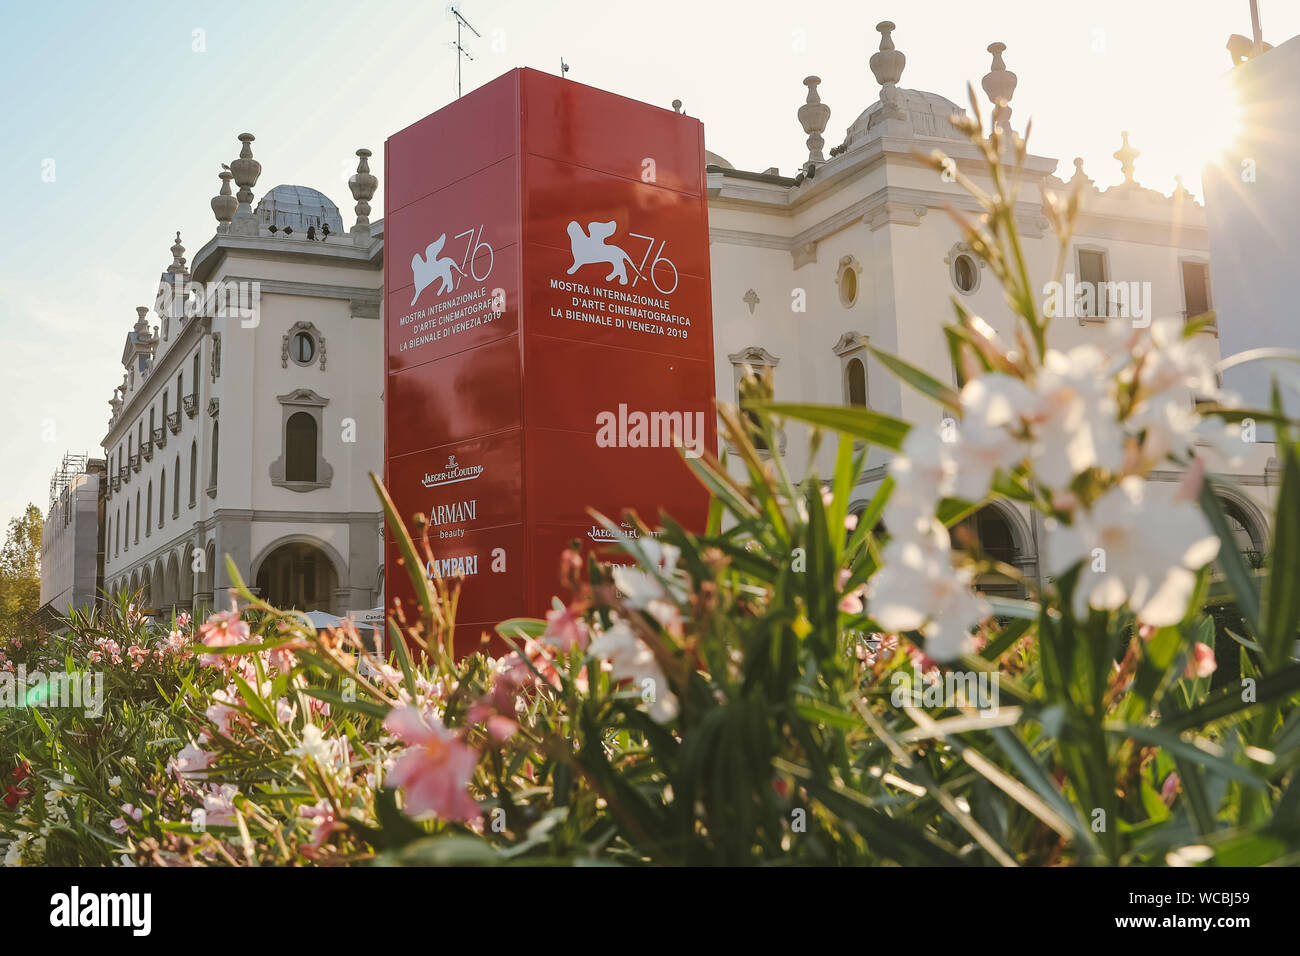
{"points": [[989, 532], [172, 582], [1246, 527], [298, 575]]}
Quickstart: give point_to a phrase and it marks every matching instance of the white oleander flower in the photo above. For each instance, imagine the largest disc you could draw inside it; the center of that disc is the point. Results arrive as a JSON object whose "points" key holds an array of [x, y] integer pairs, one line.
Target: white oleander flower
{"points": [[1170, 361], [918, 589], [1074, 419], [631, 659], [1141, 543]]}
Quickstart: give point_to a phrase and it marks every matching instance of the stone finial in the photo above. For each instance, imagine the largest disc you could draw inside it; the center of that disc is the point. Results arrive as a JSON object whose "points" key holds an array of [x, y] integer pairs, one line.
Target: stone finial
{"points": [[1126, 154], [1080, 178], [141, 323], [813, 117], [246, 170], [177, 268], [677, 106], [887, 66], [224, 204], [999, 85], [363, 184]]}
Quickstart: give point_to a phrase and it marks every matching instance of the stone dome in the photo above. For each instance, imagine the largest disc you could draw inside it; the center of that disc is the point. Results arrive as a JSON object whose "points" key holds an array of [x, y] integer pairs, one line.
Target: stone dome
{"points": [[298, 207], [713, 159], [928, 114]]}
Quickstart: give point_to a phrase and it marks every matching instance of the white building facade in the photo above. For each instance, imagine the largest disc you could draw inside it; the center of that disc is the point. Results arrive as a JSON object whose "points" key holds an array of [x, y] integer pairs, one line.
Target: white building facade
{"points": [[858, 251], [252, 433], [249, 415], [71, 555]]}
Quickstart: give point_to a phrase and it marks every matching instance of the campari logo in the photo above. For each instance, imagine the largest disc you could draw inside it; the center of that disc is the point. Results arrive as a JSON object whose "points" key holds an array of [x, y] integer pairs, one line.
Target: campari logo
{"points": [[452, 474], [446, 271], [463, 565], [591, 246]]}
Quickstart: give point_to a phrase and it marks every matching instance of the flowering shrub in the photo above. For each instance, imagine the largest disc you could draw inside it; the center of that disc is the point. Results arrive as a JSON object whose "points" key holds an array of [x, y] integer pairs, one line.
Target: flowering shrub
{"points": [[794, 684]]}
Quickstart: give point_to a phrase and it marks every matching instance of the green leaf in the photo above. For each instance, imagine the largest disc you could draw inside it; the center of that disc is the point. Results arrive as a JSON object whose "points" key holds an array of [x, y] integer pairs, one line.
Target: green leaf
{"points": [[922, 381], [1240, 577], [1281, 611], [872, 427], [1201, 752], [368, 707], [414, 566]]}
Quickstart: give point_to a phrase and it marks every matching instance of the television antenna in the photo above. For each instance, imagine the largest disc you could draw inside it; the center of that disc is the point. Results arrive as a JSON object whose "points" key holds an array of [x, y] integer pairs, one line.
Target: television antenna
{"points": [[454, 10]]}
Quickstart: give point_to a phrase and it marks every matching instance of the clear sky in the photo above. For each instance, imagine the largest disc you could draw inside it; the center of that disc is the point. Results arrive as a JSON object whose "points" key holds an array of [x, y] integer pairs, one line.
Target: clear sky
{"points": [[134, 107]]}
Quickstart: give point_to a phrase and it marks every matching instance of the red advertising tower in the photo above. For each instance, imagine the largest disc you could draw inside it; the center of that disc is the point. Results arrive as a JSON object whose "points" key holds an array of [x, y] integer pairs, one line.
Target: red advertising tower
{"points": [[548, 331]]}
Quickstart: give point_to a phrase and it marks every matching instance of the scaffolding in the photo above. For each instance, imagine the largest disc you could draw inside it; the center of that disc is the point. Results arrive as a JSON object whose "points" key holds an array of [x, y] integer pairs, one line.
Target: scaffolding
{"points": [[71, 466]]}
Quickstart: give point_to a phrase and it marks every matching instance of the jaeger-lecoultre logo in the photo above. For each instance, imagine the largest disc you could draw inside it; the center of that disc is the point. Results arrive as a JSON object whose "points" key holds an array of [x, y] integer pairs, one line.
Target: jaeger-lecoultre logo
{"points": [[452, 474]]}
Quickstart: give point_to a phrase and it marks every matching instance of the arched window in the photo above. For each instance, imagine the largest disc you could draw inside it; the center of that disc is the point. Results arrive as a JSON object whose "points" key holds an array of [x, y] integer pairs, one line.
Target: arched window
{"points": [[162, 498], [136, 536], [148, 530], [855, 374], [117, 533], [108, 535], [128, 525], [212, 477], [176, 487], [300, 447], [194, 473], [1249, 542]]}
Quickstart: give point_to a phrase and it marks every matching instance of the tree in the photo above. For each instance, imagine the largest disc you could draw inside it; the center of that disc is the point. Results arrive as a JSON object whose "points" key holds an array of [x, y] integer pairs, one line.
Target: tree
{"points": [[20, 573]]}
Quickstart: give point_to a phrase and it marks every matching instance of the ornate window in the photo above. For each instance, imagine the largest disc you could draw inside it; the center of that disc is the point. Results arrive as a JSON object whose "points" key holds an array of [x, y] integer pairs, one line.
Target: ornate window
{"points": [[212, 476], [1197, 301], [760, 363], [852, 351], [964, 268], [302, 465], [846, 280], [304, 345]]}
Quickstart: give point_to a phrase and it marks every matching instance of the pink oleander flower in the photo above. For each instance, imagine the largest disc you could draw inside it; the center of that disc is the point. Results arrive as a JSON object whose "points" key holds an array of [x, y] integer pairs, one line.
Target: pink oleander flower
{"points": [[192, 762], [323, 822], [1169, 788], [220, 712], [850, 601], [564, 628], [222, 629], [219, 805], [435, 771], [182, 621], [119, 824], [1202, 662]]}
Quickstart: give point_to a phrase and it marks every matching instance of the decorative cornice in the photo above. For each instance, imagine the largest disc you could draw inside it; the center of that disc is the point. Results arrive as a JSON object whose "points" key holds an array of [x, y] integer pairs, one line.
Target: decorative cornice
{"points": [[849, 342], [753, 355]]}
